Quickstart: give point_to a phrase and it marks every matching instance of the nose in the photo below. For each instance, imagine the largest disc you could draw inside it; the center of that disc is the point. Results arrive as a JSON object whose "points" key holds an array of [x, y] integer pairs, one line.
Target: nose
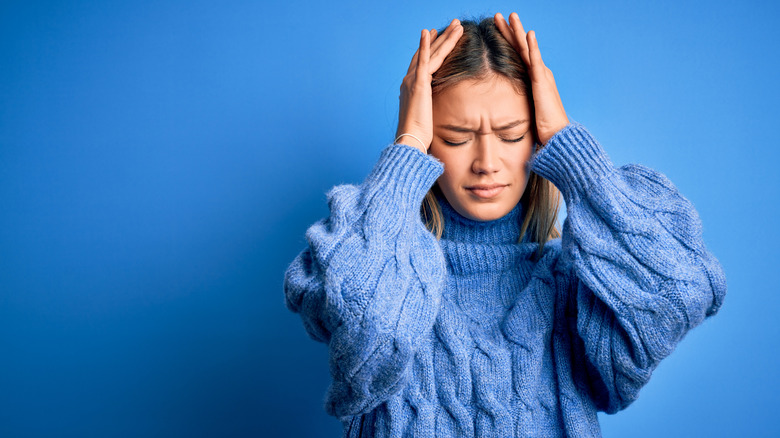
{"points": [[486, 159]]}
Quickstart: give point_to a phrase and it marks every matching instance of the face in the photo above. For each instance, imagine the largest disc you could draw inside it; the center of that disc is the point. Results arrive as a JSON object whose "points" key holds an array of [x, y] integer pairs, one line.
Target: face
{"points": [[481, 132]]}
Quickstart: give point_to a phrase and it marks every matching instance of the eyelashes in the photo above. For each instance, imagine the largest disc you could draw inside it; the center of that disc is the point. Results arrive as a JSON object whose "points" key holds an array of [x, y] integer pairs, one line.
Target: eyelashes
{"points": [[515, 140], [505, 140]]}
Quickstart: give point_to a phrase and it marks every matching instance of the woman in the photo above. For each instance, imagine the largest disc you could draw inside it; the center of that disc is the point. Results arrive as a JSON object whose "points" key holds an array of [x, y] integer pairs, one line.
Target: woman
{"points": [[451, 304]]}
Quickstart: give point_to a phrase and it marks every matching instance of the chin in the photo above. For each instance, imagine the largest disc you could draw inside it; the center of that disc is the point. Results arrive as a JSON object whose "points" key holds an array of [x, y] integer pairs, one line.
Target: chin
{"points": [[486, 212]]}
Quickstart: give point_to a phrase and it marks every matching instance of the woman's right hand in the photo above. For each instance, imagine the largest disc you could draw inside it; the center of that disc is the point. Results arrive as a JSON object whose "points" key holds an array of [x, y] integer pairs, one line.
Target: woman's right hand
{"points": [[415, 112]]}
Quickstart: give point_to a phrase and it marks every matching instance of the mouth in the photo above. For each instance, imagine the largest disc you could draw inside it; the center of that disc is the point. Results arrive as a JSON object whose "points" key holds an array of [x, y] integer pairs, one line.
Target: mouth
{"points": [[486, 191]]}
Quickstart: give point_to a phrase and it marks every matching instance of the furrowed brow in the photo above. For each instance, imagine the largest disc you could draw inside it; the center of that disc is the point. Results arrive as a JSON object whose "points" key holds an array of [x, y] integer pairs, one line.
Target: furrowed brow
{"points": [[509, 125], [455, 128]]}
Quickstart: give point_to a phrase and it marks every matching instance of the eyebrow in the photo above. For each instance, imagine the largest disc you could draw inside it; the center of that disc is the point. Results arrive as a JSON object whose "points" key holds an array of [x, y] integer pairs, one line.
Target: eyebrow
{"points": [[509, 125]]}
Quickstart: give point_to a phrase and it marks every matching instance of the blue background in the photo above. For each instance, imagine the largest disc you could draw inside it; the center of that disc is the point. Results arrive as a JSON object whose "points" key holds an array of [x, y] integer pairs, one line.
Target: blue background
{"points": [[161, 161]]}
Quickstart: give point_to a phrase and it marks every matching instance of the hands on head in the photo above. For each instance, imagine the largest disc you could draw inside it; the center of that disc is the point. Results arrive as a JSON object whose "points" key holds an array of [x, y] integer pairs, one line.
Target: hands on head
{"points": [[550, 115], [415, 109], [416, 103]]}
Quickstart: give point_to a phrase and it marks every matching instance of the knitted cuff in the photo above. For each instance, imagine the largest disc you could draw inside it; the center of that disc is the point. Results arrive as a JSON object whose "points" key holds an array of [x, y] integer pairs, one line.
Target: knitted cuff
{"points": [[572, 159], [404, 174]]}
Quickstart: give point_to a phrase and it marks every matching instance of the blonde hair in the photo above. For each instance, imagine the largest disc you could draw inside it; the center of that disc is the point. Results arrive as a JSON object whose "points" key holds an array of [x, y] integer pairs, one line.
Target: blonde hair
{"points": [[482, 51]]}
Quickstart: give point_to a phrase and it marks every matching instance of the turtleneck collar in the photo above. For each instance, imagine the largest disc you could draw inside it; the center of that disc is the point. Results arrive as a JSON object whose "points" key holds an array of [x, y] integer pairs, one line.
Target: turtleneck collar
{"points": [[472, 246], [458, 228]]}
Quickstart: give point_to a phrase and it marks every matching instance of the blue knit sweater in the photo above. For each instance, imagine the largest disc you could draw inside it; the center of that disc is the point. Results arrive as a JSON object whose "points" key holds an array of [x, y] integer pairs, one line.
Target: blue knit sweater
{"points": [[467, 336]]}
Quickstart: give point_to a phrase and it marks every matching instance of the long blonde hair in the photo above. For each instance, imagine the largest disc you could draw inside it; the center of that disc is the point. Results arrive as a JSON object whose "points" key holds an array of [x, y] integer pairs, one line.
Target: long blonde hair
{"points": [[482, 51]]}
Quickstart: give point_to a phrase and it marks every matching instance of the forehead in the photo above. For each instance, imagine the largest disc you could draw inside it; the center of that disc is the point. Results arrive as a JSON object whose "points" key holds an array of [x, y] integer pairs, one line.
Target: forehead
{"points": [[476, 101]]}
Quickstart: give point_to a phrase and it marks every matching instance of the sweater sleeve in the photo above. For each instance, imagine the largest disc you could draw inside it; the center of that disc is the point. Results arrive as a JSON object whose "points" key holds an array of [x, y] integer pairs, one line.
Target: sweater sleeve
{"points": [[636, 273], [369, 282]]}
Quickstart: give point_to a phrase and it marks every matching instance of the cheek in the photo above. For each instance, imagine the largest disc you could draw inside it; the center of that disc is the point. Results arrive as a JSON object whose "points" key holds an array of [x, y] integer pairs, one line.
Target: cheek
{"points": [[523, 161], [453, 162], [519, 168], [519, 164], [526, 152], [451, 175]]}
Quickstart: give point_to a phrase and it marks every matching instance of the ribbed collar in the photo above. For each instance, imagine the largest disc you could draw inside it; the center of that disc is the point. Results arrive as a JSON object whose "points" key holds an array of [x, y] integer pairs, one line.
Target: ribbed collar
{"points": [[458, 228], [482, 246]]}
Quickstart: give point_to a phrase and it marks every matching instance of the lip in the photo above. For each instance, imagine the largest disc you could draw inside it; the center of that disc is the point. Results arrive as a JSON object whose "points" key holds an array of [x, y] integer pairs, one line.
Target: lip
{"points": [[487, 191]]}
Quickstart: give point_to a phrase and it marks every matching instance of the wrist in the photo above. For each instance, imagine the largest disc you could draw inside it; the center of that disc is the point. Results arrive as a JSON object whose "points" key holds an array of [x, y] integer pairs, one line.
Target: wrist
{"points": [[413, 140], [548, 132]]}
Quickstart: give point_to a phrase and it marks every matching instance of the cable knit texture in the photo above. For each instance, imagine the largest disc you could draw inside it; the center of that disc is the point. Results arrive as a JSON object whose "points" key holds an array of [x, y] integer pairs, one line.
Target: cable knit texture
{"points": [[467, 336]]}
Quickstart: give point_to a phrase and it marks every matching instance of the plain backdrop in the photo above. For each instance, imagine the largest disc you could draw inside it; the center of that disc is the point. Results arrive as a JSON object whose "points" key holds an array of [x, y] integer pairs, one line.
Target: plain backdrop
{"points": [[161, 161]]}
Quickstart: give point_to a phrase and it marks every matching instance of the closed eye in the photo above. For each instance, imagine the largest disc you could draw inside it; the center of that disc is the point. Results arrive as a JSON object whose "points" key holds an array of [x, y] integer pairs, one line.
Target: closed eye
{"points": [[507, 140], [513, 140]]}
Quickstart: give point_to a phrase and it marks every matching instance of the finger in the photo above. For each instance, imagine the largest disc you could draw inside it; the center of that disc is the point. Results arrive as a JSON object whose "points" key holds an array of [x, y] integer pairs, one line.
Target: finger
{"points": [[516, 24], [413, 64], [447, 32], [537, 65], [425, 54], [520, 37], [433, 37], [503, 27], [437, 57]]}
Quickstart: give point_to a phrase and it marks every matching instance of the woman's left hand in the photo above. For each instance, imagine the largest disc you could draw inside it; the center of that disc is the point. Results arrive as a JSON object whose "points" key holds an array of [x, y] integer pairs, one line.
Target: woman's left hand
{"points": [[550, 116]]}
